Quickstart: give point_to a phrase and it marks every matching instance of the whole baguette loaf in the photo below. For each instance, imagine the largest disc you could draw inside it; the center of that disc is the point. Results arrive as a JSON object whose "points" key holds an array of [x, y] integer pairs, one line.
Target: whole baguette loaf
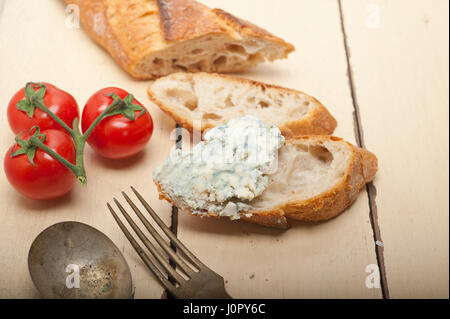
{"points": [[318, 177], [206, 100], [153, 38]]}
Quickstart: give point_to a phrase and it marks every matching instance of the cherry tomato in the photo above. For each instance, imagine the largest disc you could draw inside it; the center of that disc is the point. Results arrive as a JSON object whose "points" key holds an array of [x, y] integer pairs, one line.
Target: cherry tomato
{"points": [[48, 178], [61, 103], [116, 137]]}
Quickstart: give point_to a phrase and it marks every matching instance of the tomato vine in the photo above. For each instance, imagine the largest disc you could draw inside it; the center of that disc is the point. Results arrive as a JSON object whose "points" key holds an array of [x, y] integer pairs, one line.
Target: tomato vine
{"points": [[35, 99]]}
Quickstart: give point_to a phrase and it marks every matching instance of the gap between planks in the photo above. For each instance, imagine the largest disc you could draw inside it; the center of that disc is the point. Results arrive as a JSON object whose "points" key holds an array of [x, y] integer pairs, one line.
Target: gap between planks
{"points": [[174, 216], [370, 187]]}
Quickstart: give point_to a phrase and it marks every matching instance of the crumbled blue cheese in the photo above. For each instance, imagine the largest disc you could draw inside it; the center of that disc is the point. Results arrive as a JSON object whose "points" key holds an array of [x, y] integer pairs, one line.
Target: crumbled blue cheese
{"points": [[222, 174]]}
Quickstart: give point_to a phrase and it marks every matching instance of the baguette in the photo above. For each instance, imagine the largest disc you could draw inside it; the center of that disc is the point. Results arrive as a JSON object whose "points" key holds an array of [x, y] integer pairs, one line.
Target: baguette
{"points": [[213, 99], [318, 177], [153, 38]]}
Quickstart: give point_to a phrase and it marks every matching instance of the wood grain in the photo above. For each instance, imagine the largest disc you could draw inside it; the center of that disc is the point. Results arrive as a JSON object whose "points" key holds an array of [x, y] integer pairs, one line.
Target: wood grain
{"points": [[400, 71]]}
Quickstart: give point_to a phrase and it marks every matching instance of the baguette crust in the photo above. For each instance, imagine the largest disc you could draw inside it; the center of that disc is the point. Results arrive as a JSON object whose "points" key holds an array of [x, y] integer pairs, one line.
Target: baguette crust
{"points": [[247, 28], [185, 20], [319, 121], [362, 169], [94, 18], [133, 29]]}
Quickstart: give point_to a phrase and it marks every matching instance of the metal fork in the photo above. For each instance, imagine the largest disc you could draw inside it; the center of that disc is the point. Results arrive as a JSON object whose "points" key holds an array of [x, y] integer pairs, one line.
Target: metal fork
{"points": [[202, 283]]}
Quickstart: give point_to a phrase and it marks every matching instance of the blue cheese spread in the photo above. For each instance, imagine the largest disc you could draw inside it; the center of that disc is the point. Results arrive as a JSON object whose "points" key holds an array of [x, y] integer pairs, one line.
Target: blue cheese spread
{"points": [[222, 174]]}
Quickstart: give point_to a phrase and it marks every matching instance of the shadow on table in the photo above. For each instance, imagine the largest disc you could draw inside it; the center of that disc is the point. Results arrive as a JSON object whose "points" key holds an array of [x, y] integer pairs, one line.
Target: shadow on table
{"points": [[41, 205], [229, 227], [119, 164]]}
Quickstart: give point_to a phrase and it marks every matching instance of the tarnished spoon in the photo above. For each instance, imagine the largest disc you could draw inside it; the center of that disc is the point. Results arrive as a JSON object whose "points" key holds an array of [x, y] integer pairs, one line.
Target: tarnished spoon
{"points": [[73, 260]]}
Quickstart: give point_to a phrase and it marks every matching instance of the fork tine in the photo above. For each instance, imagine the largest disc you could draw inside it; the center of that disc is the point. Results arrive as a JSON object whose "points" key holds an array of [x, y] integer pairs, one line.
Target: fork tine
{"points": [[180, 263], [149, 245], [194, 260], [146, 258]]}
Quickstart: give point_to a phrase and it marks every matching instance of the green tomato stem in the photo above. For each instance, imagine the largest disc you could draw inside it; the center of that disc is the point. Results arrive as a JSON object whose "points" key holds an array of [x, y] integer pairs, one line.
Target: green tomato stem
{"points": [[79, 139], [112, 107], [118, 106], [77, 170], [38, 103]]}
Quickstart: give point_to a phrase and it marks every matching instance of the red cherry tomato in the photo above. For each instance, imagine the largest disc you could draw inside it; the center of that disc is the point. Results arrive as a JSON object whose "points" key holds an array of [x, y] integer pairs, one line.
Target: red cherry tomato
{"points": [[58, 101], [116, 137], [49, 178]]}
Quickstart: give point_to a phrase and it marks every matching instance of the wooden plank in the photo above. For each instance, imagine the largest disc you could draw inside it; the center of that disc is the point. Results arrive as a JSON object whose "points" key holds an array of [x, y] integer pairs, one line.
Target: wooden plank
{"points": [[326, 260], [35, 44], [399, 58]]}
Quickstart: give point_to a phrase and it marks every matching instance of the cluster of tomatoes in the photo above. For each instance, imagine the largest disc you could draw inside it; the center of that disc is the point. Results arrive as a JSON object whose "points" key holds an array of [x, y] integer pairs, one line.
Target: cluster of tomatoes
{"points": [[38, 175]]}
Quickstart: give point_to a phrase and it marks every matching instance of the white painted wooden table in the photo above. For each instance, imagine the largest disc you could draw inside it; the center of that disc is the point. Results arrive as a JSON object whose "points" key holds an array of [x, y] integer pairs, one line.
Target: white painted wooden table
{"points": [[381, 67]]}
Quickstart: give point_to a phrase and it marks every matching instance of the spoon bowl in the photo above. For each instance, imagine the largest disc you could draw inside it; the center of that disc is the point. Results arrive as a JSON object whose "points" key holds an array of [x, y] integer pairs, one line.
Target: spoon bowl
{"points": [[71, 260]]}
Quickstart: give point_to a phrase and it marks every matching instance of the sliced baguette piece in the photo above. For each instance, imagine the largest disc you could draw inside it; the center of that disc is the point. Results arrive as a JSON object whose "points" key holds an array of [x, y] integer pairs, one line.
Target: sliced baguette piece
{"points": [[318, 177], [153, 38], [208, 100]]}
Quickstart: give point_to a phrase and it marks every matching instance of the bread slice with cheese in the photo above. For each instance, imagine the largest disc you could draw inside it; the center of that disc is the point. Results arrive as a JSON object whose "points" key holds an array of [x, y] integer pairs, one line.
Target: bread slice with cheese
{"points": [[318, 177], [153, 38], [204, 100]]}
